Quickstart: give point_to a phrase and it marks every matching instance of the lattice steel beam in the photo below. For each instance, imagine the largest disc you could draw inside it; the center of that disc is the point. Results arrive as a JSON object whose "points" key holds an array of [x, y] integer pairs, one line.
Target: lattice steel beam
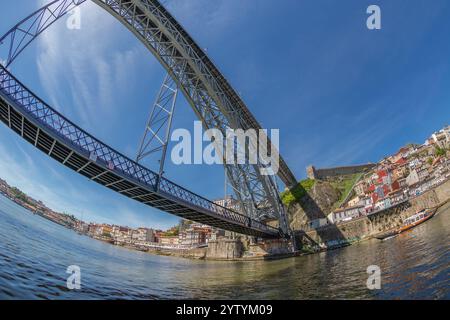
{"points": [[159, 125], [23, 33], [214, 101]]}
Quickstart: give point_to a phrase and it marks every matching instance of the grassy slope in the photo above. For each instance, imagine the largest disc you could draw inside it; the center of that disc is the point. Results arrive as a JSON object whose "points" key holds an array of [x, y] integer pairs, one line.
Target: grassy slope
{"points": [[343, 185], [295, 194]]}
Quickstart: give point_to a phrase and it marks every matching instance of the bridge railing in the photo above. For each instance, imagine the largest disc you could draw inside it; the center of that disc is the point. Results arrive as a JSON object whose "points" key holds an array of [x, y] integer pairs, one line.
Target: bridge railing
{"points": [[98, 151], [199, 201], [188, 196], [71, 133]]}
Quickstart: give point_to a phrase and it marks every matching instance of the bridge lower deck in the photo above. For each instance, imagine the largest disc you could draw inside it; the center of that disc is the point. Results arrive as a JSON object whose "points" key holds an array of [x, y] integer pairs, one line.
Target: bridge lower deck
{"points": [[27, 115]]}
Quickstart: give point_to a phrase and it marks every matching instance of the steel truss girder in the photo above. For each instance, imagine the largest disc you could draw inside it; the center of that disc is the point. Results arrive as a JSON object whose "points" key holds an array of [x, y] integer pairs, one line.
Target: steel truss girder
{"points": [[207, 91], [23, 33], [158, 127]]}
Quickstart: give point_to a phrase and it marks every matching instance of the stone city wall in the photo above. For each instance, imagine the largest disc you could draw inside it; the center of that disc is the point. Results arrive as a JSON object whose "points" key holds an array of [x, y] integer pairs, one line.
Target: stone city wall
{"points": [[323, 174]]}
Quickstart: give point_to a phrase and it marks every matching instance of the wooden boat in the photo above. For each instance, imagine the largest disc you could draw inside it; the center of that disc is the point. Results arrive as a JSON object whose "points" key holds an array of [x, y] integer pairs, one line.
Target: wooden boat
{"points": [[413, 221]]}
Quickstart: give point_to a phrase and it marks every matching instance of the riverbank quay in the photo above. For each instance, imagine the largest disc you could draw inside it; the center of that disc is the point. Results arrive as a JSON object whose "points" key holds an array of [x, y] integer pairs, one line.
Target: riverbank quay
{"points": [[340, 235], [364, 228], [315, 241], [415, 260]]}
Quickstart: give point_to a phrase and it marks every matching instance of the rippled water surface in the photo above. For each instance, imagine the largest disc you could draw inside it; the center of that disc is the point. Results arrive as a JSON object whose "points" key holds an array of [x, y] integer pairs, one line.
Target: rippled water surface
{"points": [[35, 253]]}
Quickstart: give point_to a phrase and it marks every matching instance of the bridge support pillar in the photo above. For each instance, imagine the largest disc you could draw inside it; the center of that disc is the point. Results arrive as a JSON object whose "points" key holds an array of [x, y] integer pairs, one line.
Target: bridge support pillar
{"points": [[159, 125]]}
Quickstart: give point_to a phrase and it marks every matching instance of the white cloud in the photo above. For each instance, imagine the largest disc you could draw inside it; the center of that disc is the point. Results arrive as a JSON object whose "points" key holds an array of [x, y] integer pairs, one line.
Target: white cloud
{"points": [[42, 178], [88, 68], [89, 63], [92, 64]]}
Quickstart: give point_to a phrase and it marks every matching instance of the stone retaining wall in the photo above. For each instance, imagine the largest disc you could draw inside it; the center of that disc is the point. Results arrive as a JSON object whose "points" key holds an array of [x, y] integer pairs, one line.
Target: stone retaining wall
{"points": [[226, 249]]}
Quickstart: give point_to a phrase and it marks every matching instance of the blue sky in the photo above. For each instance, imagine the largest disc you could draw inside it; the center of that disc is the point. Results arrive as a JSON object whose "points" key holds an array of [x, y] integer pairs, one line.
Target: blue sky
{"points": [[339, 93]]}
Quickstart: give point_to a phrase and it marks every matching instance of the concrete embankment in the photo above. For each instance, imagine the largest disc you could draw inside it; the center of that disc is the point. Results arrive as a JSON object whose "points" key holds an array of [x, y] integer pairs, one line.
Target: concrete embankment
{"points": [[233, 250], [197, 253], [242, 249]]}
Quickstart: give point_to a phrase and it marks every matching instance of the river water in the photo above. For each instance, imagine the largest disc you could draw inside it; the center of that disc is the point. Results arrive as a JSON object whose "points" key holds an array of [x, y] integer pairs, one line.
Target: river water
{"points": [[35, 254]]}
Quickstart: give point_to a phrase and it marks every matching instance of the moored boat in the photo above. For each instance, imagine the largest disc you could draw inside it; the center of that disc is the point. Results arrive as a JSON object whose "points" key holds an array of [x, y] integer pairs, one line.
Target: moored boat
{"points": [[413, 221]]}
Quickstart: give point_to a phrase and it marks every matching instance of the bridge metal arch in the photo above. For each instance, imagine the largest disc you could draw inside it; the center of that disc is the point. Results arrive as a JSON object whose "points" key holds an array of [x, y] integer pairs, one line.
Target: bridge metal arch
{"points": [[150, 22], [28, 29], [212, 98]]}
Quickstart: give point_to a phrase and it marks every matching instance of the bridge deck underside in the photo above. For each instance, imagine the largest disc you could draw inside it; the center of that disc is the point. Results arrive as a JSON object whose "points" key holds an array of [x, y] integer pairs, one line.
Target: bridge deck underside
{"points": [[60, 150]]}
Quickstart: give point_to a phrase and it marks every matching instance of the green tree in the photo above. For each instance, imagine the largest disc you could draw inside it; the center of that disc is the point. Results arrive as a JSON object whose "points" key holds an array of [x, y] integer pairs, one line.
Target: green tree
{"points": [[440, 151], [297, 192], [184, 224], [172, 232], [19, 195]]}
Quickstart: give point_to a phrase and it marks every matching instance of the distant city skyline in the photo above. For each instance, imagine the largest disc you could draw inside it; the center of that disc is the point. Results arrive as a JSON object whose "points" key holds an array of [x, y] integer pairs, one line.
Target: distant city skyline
{"points": [[339, 94]]}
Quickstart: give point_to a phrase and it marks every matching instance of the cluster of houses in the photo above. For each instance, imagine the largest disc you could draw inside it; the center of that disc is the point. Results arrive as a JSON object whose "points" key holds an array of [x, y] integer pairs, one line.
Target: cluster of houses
{"points": [[410, 172], [35, 206], [194, 235], [189, 236]]}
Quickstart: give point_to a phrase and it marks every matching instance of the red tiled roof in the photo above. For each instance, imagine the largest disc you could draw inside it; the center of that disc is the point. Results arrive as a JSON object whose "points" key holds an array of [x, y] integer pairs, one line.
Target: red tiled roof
{"points": [[374, 197], [382, 173], [401, 161]]}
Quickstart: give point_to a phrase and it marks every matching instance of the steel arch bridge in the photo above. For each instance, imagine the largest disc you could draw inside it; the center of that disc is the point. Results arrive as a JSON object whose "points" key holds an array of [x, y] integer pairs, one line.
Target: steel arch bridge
{"points": [[209, 94]]}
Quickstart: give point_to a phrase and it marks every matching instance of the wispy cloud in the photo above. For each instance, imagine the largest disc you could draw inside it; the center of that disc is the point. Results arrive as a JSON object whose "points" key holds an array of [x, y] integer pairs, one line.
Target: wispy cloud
{"points": [[90, 69], [90, 63]]}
